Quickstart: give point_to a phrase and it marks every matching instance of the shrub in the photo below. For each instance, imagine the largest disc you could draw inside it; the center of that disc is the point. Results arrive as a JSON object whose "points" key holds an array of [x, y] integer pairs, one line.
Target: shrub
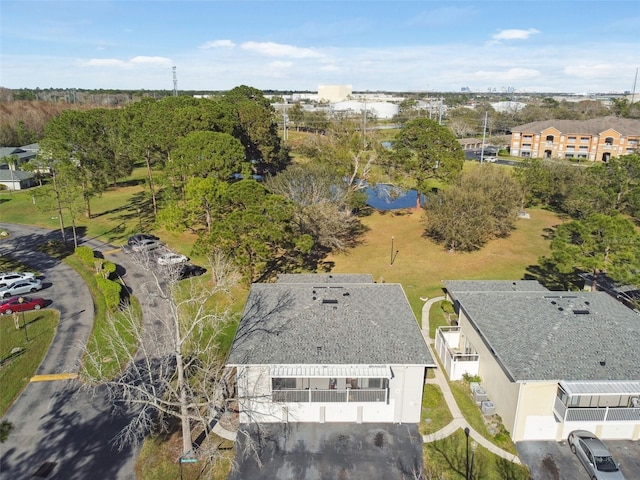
{"points": [[447, 307], [111, 291], [85, 254], [107, 268]]}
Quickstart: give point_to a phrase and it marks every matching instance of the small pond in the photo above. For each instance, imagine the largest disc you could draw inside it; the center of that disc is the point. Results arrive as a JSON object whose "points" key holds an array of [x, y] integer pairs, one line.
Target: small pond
{"points": [[387, 197]]}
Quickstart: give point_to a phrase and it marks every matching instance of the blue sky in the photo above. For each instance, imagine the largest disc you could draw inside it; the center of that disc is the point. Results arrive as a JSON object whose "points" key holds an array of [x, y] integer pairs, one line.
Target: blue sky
{"points": [[534, 46]]}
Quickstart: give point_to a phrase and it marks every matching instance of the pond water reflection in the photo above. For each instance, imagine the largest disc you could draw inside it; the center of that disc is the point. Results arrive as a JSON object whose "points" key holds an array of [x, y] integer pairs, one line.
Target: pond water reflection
{"points": [[388, 197]]}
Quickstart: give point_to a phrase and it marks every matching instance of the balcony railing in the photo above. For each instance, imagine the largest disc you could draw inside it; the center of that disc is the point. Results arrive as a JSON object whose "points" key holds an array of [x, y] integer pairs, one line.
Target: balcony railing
{"points": [[329, 396], [602, 414]]}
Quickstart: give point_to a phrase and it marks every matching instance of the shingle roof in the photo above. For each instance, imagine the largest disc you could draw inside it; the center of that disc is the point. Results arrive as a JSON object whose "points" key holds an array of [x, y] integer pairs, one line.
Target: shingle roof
{"points": [[455, 286], [594, 126], [14, 175], [557, 335], [324, 278], [333, 324]]}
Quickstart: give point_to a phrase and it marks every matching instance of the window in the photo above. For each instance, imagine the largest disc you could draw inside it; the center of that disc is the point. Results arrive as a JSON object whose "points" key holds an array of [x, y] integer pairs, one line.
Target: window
{"points": [[526, 145], [584, 148], [568, 155], [550, 138], [375, 383], [608, 141], [571, 148], [283, 383], [584, 139], [571, 139]]}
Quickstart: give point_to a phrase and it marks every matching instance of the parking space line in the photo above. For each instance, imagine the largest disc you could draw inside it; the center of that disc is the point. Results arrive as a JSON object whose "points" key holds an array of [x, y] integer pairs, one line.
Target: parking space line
{"points": [[53, 376]]}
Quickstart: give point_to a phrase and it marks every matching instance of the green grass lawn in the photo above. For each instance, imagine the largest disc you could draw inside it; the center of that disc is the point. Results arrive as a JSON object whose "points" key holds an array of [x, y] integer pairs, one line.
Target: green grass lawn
{"points": [[435, 413], [17, 370]]}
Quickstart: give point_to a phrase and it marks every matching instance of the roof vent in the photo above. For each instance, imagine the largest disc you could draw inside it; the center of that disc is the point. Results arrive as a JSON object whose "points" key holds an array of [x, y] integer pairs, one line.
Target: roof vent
{"points": [[581, 312], [603, 363], [329, 301]]}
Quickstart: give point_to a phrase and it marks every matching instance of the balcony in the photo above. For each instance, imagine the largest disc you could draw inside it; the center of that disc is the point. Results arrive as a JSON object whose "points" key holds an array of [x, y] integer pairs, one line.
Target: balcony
{"points": [[602, 414], [456, 362], [330, 396]]}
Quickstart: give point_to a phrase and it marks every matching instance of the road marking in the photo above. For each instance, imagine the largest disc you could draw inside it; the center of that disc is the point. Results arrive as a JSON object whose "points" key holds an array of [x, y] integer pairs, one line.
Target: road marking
{"points": [[110, 252], [54, 376]]}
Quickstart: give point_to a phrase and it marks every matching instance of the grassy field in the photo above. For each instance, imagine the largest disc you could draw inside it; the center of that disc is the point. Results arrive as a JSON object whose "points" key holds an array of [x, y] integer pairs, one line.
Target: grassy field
{"points": [[420, 265], [17, 369]]}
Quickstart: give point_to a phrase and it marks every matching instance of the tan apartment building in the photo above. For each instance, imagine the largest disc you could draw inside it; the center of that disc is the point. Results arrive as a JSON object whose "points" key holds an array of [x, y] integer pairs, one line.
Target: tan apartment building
{"points": [[596, 140], [549, 362]]}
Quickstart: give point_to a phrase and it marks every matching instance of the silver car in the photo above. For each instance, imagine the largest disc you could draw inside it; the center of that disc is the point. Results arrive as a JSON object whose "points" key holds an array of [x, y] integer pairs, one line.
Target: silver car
{"points": [[594, 456], [28, 285]]}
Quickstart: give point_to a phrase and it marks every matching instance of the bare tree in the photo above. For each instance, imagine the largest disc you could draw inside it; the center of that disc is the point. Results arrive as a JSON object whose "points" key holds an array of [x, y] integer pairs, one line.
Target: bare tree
{"points": [[177, 370]]}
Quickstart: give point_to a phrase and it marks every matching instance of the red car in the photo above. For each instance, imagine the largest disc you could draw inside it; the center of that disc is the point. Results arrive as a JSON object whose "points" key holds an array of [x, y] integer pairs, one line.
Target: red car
{"points": [[13, 304]]}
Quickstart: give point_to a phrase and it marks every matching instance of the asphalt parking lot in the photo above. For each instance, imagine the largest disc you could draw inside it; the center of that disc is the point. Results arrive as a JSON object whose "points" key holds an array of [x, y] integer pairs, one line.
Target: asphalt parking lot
{"points": [[548, 460]]}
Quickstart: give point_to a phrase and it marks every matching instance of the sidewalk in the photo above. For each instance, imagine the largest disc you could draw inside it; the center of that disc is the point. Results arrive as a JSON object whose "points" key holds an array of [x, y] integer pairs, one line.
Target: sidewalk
{"points": [[440, 380]]}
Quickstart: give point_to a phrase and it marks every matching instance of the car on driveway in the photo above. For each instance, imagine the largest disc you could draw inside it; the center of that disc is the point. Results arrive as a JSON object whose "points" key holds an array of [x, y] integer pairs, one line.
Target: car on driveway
{"points": [[8, 278], [171, 258], [28, 285], [594, 455], [139, 237], [189, 270], [20, 304], [146, 245]]}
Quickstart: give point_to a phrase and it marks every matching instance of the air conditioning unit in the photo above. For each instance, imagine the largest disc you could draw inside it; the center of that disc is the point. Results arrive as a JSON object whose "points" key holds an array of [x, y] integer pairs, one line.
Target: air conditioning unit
{"points": [[474, 386], [635, 402], [488, 408], [480, 395]]}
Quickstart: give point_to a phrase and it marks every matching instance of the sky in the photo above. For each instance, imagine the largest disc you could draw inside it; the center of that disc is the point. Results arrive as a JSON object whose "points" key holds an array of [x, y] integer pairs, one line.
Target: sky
{"points": [[403, 45]]}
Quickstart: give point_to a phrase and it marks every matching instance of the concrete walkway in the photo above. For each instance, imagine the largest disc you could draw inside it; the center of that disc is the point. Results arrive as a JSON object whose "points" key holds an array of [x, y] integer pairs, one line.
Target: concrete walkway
{"points": [[440, 380]]}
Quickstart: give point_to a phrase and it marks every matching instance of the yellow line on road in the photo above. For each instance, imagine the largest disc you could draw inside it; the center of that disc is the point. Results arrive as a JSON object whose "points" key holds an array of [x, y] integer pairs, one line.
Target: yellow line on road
{"points": [[54, 376], [109, 252]]}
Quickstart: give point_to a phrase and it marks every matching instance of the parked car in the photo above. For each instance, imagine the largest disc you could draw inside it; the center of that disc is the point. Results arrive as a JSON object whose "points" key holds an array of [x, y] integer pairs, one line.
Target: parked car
{"points": [[28, 285], [171, 258], [139, 237], [594, 455], [490, 159], [146, 245], [13, 304], [8, 278], [189, 270]]}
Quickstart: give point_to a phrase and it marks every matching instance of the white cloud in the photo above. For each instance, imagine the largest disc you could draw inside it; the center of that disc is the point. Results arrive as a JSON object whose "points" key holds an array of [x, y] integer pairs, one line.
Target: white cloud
{"points": [[511, 74], [271, 49], [106, 62], [514, 34], [141, 60], [218, 44], [280, 64], [135, 61]]}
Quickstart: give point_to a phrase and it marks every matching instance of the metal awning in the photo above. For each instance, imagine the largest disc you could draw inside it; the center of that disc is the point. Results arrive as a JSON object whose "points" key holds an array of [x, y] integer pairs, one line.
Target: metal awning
{"points": [[330, 371], [601, 388]]}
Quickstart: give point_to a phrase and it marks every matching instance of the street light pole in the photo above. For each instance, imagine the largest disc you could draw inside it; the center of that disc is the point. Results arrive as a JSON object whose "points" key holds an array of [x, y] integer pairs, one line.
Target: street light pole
{"points": [[466, 475], [474, 446], [24, 323]]}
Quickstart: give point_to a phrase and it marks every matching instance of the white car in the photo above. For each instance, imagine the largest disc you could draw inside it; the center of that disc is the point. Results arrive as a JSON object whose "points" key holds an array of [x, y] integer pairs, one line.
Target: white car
{"points": [[171, 258], [490, 159], [8, 278], [28, 285]]}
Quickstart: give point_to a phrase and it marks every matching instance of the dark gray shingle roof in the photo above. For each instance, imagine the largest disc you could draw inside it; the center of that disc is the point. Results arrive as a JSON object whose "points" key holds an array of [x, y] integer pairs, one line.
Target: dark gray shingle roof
{"points": [[557, 335], [594, 126], [332, 324], [325, 278], [456, 286]]}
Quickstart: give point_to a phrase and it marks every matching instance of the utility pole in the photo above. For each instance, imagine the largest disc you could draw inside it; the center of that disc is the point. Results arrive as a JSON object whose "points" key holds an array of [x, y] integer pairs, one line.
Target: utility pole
{"points": [[633, 94], [440, 112], [175, 82], [364, 127], [284, 120], [484, 134]]}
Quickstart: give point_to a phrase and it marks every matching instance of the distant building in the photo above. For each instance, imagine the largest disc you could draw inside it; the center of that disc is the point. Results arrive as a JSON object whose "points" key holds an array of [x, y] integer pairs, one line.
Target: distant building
{"points": [[598, 139], [334, 93]]}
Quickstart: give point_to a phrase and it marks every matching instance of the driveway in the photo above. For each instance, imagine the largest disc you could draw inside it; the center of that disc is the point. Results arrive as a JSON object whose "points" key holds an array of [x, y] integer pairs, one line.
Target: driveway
{"points": [[60, 431], [549, 460]]}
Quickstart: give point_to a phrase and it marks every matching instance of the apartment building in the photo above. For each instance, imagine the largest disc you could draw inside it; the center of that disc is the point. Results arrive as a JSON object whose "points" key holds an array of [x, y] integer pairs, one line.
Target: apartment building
{"points": [[596, 140]]}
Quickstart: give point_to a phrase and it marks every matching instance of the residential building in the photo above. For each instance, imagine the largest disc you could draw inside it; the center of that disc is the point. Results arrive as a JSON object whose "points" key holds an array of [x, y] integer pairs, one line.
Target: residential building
{"points": [[549, 362], [598, 139], [328, 348]]}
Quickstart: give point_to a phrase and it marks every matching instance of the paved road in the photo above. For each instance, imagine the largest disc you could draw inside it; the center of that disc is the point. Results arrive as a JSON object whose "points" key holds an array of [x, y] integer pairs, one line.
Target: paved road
{"points": [[57, 426]]}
